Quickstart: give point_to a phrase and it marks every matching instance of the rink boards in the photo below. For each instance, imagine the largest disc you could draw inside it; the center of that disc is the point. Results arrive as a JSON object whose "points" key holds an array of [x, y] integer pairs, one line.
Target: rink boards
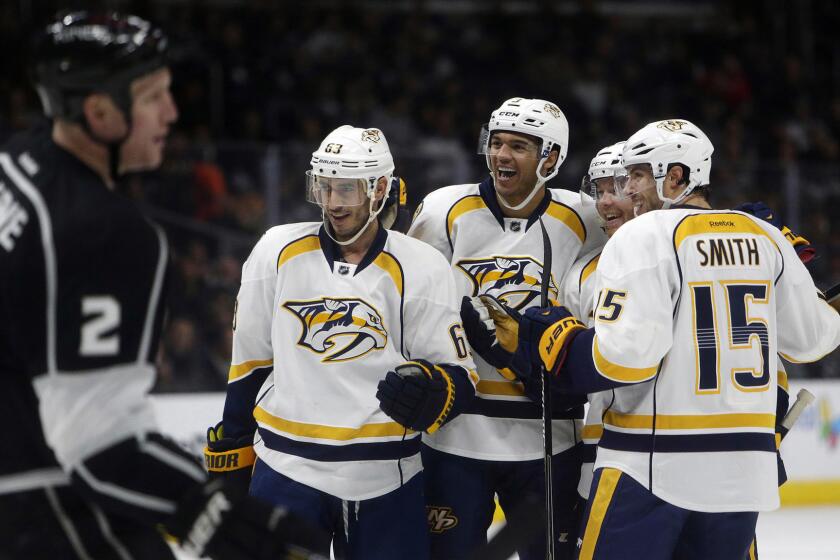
{"points": [[811, 450]]}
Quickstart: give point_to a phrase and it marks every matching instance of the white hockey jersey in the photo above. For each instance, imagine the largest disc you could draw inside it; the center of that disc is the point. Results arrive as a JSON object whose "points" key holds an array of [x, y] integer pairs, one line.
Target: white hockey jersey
{"points": [[578, 296], [693, 307], [503, 257], [332, 330]]}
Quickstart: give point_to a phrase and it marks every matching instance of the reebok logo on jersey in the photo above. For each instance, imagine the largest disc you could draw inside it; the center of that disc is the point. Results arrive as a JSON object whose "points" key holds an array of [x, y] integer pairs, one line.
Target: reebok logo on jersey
{"points": [[341, 329], [441, 519], [515, 281]]}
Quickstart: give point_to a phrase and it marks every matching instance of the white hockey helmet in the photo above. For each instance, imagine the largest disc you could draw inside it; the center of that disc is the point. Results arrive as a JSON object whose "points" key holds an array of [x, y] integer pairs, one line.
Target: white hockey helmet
{"points": [[663, 143], [535, 117], [608, 163], [361, 155]]}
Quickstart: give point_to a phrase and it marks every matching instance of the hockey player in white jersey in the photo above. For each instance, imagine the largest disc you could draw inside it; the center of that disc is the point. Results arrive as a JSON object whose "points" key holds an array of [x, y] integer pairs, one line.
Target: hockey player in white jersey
{"points": [[604, 185], [490, 234], [324, 312], [687, 457]]}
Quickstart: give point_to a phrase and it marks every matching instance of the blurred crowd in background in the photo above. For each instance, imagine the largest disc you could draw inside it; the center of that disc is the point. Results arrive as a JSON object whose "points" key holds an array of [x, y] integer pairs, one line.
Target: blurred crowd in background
{"points": [[262, 82]]}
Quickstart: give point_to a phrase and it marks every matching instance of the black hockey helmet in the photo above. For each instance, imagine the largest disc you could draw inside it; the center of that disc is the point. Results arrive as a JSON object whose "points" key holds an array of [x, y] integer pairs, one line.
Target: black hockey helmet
{"points": [[88, 52]]}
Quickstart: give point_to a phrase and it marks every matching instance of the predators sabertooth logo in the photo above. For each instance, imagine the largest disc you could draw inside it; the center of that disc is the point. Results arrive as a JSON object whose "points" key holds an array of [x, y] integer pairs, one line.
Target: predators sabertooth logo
{"points": [[371, 135], [672, 125], [440, 519], [513, 280], [339, 328], [553, 109]]}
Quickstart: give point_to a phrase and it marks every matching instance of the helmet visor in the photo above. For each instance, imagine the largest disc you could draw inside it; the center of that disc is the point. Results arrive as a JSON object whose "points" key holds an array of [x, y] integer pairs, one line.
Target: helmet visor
{"points": [[598, 188], [493, 143], [335, 191]]}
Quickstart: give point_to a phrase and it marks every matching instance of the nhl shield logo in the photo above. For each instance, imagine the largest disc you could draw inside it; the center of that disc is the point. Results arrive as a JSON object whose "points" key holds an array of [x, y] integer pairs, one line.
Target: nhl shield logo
{"points": [[513, 280], [672, 125], [340, 329], [372, 135]]}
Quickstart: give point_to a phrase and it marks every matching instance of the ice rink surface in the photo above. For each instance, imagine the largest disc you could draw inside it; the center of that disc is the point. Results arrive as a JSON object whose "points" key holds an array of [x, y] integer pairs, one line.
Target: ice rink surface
{"points": [[793, 533]]}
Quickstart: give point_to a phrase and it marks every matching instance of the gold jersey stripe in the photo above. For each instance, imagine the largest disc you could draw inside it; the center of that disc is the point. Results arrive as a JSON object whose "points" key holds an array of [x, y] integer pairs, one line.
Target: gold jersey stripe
{"points": [[240, 370], [318, 431], [466, 204], [598, 512], [592, 431], [699, 224], [783, 380], [390, 265], [569, 217], [690, 421], [589, 269], [505, 388], [298, 247], [617, 372]]}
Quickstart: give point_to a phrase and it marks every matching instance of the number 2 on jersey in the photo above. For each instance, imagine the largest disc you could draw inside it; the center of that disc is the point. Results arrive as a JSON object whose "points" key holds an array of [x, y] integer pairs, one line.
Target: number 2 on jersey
{"points": [[743, 333]]}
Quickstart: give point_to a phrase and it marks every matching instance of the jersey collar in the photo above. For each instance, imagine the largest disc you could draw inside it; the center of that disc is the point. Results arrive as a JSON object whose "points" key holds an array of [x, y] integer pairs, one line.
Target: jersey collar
{"points": [[332, 250], [488, 195]]}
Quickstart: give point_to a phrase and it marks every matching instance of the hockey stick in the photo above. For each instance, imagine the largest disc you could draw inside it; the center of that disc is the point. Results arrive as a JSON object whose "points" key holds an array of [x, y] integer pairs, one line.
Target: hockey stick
{"points": [[832, 296], [548, 442], [803, 399]]}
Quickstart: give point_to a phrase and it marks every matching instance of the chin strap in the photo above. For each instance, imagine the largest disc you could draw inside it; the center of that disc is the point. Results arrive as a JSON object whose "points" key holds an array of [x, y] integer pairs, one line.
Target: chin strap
{"points": [[524, 203], [371, 218], [541, 180]]}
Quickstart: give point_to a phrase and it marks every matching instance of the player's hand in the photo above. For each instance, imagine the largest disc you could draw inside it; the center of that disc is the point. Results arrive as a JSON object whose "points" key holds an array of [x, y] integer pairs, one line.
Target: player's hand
{"points": [[802, 246], [217, 522], [228, 457], [417, 394], [506, 320], [481, 333], [545, 334]]}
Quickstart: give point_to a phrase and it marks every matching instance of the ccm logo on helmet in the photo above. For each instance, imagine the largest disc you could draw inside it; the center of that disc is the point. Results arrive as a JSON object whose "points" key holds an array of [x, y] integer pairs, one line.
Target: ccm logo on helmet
{"points": [[508, 114]]}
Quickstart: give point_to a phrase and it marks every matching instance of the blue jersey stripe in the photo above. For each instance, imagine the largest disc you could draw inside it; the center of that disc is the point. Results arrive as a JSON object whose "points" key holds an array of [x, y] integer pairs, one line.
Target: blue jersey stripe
{"points": [[373, 451], [523, 410], [687, 443]]}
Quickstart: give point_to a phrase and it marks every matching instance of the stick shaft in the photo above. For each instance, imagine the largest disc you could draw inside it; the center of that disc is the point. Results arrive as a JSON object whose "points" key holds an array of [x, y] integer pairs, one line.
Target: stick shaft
{"points": [[803, 399], [546, 407]]}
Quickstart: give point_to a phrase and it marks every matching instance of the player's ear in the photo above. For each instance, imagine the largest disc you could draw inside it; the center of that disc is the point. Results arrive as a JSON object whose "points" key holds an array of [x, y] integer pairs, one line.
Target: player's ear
{"points": [[550, 162], [675, 174], [381, 185]]}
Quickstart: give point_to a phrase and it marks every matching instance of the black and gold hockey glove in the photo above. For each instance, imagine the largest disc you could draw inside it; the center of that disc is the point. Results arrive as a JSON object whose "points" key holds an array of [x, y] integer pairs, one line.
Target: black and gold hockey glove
{"points": [[418, 394], [227, 457], [540, 336], [215, 521]]}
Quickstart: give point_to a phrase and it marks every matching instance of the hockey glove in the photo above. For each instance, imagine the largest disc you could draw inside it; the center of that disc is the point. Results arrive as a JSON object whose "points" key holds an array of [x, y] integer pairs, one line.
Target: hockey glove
{"points": [[228, 457], [417, 394], [216, 522], [545, 334], [481, 334], [802, 246]]}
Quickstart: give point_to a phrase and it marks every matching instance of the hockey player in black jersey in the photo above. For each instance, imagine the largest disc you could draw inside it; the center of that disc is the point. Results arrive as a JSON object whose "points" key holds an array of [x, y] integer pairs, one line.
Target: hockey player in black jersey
{"points": [[84, 471]]}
